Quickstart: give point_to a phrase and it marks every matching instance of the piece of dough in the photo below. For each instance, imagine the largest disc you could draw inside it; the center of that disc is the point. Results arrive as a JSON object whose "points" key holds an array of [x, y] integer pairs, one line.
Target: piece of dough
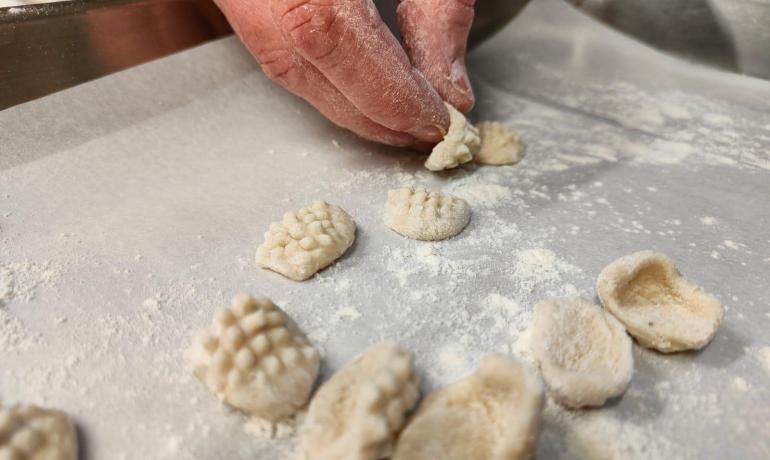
{"points": [[499, 145], [34, 433], [254, 358], [357, 413], [423, 215], [458, 146], [583, 352], [657, 305], [307, 241], [493, 414]]}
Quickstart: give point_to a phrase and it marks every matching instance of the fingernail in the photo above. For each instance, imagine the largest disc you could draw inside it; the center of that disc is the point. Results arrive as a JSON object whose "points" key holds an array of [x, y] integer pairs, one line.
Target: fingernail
{"points": [[459, 76], [430, 133]]}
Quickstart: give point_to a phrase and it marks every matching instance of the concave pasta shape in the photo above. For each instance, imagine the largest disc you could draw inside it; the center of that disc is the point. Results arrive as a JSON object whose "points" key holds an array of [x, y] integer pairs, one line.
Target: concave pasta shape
{"points": [[256, 359], [459, 145], [357, 413], [493, 414], [423, 215], [499, 145], [306, 241], [583, 352], [659, 308], [34, 433]]}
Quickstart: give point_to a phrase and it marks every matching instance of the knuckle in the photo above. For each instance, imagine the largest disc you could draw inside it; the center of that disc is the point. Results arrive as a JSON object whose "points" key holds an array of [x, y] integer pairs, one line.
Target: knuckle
{"points": [[314, 26], [277, 64]]}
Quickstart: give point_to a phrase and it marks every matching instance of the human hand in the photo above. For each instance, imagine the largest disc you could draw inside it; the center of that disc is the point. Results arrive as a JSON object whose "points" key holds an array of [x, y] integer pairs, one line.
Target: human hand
{"points": [[339, 56]]}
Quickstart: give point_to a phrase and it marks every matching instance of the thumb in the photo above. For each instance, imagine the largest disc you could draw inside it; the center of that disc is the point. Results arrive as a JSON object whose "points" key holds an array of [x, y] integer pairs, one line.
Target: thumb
{"points": [[435, 34]]}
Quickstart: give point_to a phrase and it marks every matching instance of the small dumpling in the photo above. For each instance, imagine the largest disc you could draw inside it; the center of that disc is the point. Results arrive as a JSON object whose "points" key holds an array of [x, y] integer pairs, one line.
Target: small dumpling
{"points": [[583, 352], [306, 241], [493, 414], [660, 308], [35, 433], [423, 215], [499, 145], [358, 412], [255, 359], [459, 145]]}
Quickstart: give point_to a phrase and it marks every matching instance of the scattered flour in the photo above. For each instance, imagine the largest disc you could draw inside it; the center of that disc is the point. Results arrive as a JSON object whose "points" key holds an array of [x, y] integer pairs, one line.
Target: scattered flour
{"points": [[709, 220], [14, 337], [19, 280], [660, 152], [533, 267], [265, 429], [597, 435], [453, 362], [483, 194]]}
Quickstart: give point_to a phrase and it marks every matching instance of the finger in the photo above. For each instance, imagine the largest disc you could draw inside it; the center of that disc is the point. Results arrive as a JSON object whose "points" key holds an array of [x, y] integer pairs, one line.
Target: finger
{"points": [[264, 40], [348, 42], [435, 34]]}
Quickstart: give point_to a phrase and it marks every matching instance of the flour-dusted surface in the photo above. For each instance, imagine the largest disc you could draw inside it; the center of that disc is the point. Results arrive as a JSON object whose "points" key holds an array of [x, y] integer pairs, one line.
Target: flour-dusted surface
{"points": [[144, 195]]}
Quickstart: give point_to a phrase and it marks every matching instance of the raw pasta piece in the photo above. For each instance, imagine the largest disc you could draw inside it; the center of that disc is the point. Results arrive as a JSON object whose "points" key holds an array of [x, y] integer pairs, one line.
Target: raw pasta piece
{"points": [[493, 414], [254, 358], [357, 413], [499, 145], [660, 309], [34, 433], [583, 352], [458, 146], [307, 241], [424, 215]]}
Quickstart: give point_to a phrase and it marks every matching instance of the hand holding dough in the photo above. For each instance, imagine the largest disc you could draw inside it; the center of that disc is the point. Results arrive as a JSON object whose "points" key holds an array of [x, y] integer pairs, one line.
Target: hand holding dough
{"points": [[458, 146]]}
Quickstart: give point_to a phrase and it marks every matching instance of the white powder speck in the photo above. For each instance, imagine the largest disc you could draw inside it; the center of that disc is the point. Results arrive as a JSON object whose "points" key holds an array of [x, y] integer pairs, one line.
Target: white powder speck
{"points": [[536, 266], [602, 152], [716, 119], [265, 429], [660, 152], [347, 313], [731, 244], [740, 384], [599, 435], [709, 220], [20, 280], [479, 193], [13, 335], [453, 362], [151, 304], [763, 355]]}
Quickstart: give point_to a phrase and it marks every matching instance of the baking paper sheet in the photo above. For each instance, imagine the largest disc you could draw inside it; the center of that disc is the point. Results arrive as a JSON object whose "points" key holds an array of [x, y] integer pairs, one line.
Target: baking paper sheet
{"points": [[131, 207]]}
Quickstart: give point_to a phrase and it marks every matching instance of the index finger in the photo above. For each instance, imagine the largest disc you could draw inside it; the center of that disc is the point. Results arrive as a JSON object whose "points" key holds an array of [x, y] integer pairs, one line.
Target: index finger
{"points": [[350, 45]]}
